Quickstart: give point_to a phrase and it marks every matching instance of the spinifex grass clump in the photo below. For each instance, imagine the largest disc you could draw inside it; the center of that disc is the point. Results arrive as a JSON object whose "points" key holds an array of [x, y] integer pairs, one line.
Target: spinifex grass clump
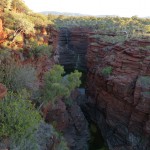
{"points": [[107, 71]]}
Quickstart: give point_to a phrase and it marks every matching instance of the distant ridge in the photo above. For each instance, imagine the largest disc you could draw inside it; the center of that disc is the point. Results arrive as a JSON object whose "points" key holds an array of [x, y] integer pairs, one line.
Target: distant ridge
{"points": [[73, 14], [63, 13]]}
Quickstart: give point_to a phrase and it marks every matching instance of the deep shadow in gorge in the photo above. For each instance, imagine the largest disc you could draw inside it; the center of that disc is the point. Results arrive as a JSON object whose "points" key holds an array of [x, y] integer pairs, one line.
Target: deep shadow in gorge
{"points": [[72, 49], [96, 141]]}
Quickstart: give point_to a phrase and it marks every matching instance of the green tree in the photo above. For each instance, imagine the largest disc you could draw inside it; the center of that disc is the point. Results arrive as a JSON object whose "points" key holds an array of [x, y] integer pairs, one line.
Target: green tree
{"points": [[107, 71], [57, 86], [22, 24]]}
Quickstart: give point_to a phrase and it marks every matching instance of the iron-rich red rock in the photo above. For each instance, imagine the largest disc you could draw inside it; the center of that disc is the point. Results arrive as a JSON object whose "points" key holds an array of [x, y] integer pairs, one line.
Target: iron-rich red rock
{"points": [[118, 101], [3, 35], [123, 96]]}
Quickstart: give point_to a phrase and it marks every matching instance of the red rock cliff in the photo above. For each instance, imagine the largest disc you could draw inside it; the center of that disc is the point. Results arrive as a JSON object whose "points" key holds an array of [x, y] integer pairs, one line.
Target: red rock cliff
{"points": [[70, 45], [118, 85], [2, 34], [119, 100]]}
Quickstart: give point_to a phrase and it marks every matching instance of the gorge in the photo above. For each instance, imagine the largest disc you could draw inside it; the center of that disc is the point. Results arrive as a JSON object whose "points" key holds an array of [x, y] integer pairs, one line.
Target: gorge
{"points": [[117, 84], [111, 109], [74, 82]]}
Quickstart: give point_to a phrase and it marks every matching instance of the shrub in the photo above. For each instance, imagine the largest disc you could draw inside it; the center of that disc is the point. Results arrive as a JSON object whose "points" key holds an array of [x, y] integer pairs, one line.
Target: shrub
{"points": [[43, 50], [7, 67], [18, 22], [17, 77], [25, 143], [5, 4], [18, 117], [24, 77], [23, 23], [57, 86], [31, 39], [5, 45], [43, 139], [107, 71], [19, 38], [4, 53], [40, 50], [46, 132], [40, 38]]}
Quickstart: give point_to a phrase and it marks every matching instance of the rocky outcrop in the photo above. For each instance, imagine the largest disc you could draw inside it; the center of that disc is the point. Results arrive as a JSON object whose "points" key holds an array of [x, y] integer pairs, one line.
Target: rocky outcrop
{"points": [[69, 120], [53, 38], [72, 47], [118, 85], [3, 35], [1, 26]]}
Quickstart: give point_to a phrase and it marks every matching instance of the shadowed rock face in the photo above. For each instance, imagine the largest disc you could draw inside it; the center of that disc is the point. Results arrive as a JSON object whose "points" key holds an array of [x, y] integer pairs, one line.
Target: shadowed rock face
{"points": [[71, 121], [72, 48], [119, 102]]}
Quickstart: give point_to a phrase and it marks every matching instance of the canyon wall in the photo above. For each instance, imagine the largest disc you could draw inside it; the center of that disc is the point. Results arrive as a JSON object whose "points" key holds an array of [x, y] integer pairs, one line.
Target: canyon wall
{"points": [[118, 84], [71, 47]]}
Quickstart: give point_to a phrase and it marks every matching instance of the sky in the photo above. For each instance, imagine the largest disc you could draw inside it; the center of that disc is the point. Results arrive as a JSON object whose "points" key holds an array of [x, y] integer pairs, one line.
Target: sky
{"points": [[124, 8]]}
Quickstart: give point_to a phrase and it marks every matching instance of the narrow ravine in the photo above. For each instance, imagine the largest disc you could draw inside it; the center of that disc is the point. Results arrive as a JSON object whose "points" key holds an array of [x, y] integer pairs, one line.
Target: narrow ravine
{"points": [[72, 48], [96, 141]]}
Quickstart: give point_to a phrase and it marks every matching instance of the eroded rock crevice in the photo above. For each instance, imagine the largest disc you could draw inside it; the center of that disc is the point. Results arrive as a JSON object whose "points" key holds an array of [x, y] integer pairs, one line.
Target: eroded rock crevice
{"points": [[72, 47]]}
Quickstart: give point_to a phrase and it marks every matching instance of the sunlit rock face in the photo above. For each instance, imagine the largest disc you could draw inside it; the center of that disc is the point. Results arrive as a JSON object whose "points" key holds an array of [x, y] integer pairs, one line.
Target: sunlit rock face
{"points": [[1, 27], [72, 48], [3, 35], [119, 100]]}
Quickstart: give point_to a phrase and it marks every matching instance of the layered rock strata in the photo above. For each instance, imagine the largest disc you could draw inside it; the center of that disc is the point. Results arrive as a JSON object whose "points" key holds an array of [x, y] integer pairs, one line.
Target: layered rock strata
{"points": [[118, 84], [71, 47]]}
